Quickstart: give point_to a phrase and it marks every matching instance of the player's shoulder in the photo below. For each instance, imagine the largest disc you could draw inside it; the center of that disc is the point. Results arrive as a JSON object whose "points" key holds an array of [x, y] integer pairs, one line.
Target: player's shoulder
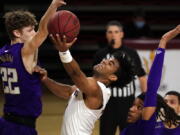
{"points": [[94, 84]]}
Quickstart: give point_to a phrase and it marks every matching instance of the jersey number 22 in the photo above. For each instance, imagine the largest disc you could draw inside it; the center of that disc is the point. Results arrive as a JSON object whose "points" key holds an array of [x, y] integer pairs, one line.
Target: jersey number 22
{"points": [[9, 76]]}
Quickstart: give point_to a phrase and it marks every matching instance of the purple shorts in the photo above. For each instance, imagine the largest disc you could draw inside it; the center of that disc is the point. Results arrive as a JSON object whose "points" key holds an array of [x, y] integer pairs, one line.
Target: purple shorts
{"points": [[10, 128]]}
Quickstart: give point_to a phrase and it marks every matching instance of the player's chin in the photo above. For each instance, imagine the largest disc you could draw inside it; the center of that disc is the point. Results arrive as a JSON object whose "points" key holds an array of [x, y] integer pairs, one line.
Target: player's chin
{"points": [[95, 68], [130, 119]]}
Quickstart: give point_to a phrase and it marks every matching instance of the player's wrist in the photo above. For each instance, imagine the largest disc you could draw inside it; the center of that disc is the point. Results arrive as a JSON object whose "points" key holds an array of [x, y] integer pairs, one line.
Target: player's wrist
{"points": [[65, 57]]}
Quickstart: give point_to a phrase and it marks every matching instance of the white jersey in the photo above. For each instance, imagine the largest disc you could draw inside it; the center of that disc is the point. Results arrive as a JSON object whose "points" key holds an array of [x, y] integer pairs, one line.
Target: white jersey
{"points": [[78, 118]]}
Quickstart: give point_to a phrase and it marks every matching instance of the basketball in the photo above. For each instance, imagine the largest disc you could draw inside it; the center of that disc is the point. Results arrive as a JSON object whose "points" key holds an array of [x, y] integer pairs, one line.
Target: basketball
{"points": [[65, 23]]}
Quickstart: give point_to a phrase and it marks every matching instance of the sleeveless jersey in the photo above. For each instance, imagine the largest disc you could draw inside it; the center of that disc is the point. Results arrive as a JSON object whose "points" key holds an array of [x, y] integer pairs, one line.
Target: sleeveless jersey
{"points": [[22, 90], [78, 118]]}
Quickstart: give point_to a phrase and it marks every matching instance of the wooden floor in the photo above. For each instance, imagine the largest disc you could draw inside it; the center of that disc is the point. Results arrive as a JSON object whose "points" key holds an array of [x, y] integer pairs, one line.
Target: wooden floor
{"points": [[49, 123]]}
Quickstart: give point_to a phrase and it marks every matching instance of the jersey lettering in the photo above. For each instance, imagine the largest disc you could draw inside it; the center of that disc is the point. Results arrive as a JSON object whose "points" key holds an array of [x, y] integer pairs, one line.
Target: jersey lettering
{"points": [[9, 77]]}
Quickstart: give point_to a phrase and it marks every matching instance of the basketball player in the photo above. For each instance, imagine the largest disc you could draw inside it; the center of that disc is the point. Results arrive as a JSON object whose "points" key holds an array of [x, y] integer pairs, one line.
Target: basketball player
{"points": [[123, 93], [172, 98], [147, 107], [89, 96], [22, 87]]}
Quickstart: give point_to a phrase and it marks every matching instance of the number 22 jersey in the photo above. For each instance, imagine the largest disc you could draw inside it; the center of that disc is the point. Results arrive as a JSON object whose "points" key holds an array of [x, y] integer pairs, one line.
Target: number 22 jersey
{"points": [[22, 90]]}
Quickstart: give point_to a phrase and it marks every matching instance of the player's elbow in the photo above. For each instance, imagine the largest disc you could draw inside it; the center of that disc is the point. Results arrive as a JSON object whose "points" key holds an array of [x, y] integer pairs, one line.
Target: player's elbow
{"points": [[42, 29]]}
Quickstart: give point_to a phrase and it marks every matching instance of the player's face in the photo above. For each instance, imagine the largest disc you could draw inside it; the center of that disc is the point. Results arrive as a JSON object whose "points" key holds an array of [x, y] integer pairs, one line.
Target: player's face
{"points": [[114, 33], [107, 67], [135, 112], [27, 33], [173, 102]]}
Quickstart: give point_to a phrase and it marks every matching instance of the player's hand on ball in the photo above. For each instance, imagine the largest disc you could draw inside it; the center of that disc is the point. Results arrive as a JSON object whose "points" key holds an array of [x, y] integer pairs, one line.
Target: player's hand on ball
{"points": [[61, 44]]}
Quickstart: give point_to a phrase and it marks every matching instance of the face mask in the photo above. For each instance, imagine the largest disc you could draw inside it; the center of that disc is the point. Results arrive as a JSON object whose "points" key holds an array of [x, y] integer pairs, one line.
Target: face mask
{"points": [[139, 24]]}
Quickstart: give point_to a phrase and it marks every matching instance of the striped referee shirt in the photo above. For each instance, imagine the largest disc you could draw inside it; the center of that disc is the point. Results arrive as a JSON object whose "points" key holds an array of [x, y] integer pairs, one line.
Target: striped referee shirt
{"points": [[126, 91]]}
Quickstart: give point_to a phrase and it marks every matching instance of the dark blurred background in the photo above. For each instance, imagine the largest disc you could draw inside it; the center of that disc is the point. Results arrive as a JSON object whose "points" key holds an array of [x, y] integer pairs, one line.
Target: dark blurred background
{"points": [[160, 15]]}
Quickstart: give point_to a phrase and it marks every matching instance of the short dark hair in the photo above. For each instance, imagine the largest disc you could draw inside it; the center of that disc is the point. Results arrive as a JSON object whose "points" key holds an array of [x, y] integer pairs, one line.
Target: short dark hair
{"points": [[174, 93], [141, 96], [114, 23], [126, 73], [17, 20]]}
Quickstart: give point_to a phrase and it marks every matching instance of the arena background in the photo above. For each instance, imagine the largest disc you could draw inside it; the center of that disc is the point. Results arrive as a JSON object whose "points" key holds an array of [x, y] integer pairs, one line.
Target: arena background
{"points": [[161, 15]]}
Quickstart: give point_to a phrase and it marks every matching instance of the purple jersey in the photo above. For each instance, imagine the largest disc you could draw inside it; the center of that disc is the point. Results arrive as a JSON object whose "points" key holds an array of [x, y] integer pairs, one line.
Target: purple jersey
{"points": [[161, 130], [141, 127], [9, 128], [147, 127], [22, 90]]}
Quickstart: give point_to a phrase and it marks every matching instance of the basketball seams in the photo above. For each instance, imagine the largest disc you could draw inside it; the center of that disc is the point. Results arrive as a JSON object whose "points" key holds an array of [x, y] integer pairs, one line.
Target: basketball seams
{"points": [[73, 28], [66, 23], [58, 25]]}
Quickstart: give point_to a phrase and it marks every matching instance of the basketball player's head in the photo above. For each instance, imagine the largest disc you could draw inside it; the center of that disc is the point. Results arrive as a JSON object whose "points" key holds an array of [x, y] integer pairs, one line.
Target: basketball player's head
{"points": [[164, 112], [114, 33], [107, 69], [172, 98], [117, 70], [135, 112], [20, 24]]}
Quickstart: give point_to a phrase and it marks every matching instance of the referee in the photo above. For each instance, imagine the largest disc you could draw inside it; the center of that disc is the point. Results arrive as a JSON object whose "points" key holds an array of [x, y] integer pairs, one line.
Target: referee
{"points": [[122, 94]]}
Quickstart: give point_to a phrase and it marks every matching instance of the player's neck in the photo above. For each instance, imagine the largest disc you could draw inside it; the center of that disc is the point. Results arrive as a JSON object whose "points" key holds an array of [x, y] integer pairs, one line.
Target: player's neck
{"points": [[115, 46], [15, 41], [102, 80]]}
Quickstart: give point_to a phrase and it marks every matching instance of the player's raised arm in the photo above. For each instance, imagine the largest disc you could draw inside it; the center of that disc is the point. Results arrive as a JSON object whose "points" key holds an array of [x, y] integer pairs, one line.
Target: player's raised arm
{"points": [[168, 36], [86, 85], [32, 44], [155, 74]]}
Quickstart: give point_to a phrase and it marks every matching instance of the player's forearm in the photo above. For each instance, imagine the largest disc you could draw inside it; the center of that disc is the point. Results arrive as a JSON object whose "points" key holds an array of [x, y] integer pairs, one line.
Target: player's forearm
{"points": [[153, 84], [46, 17], [42, 32], [60, 90], [77, 76], [154, 78], [73, 69], [143, 83], [70, 64]]}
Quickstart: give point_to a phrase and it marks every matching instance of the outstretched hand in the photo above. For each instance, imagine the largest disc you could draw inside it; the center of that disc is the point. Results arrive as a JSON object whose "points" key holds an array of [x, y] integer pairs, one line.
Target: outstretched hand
{"points": [[61, 44], [171, 34], [168, 36], [58, 3]]}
